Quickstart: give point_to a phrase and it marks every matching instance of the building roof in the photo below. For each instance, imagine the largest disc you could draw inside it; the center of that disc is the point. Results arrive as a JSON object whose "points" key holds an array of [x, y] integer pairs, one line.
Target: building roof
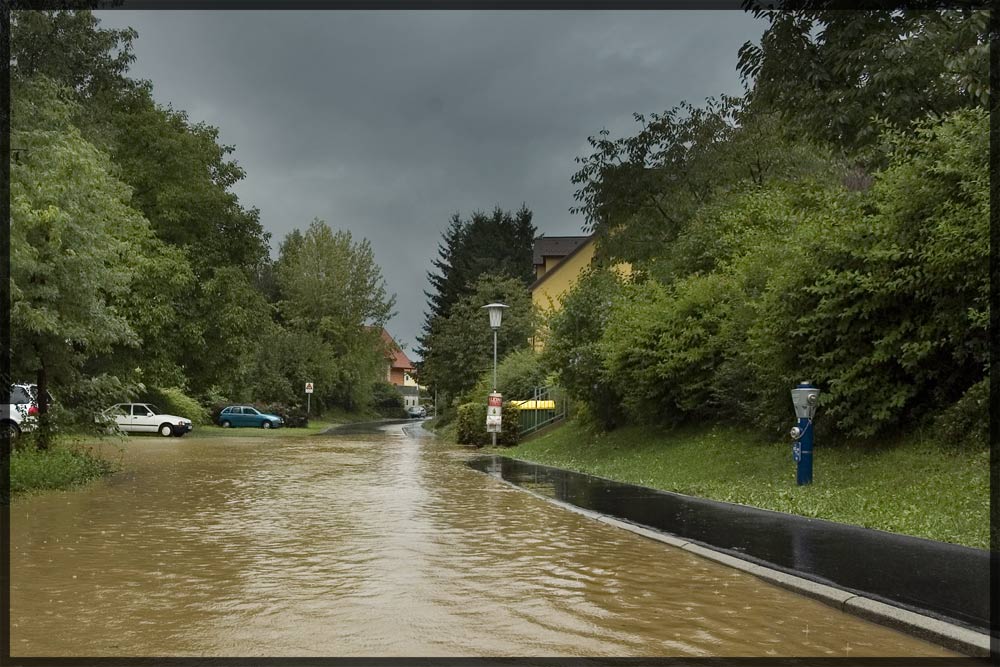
{"points": [[555, 269], [555, 246], [396, 355]]}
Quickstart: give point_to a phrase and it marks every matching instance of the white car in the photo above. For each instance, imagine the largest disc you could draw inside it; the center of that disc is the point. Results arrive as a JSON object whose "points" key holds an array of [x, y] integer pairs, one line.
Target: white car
{"points": [[146, 418], [21, 412]]}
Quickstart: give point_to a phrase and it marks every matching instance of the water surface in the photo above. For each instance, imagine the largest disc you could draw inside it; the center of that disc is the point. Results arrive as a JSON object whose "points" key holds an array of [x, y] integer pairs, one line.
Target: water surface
{"points": [[377, 543]]}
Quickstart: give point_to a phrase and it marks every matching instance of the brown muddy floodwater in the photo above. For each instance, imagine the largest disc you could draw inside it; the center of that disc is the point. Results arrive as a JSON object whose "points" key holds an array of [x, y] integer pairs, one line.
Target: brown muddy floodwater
{"points": [[377, 544]]}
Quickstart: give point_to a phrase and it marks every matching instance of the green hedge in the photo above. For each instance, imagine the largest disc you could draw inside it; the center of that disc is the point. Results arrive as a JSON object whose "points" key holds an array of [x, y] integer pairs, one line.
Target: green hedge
{"points": [[173, 401], [471, 425]]}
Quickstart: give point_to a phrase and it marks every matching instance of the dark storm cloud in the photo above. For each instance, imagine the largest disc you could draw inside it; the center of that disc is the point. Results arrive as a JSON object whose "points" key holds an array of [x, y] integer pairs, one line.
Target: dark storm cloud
{"points": [[386, 123]]}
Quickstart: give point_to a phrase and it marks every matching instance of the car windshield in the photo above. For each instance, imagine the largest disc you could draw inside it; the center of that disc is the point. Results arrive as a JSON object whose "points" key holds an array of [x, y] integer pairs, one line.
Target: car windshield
{"points": [[152, 408]]}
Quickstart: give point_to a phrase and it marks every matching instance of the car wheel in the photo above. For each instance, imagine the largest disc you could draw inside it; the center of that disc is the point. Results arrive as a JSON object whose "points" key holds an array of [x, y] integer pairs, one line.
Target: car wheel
{"points": [[10, 429], [266, 424], [166, 430], [225, 423]]}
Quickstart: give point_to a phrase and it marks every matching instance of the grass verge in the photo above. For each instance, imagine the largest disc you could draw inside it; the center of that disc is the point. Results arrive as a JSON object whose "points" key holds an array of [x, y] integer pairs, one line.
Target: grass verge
{"points": [[212, 431], [64, 465], [912, 486]]}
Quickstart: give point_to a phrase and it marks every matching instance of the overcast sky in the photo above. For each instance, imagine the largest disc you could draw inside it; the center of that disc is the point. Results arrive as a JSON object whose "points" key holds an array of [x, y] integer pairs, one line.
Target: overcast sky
{"points": [[387, 123]]}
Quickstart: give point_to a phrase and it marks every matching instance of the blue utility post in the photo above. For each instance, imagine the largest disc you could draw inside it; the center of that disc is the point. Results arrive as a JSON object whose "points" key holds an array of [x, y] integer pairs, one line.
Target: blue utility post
{"points": [[804, 398]]}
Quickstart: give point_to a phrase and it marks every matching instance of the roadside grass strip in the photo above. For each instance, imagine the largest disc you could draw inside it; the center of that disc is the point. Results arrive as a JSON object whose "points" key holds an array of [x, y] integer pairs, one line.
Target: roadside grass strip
{"points": [[912, 486]]}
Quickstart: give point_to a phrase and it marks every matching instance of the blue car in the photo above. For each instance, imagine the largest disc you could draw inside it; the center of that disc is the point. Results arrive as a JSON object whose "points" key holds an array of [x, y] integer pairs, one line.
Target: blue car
{"points": [[246, 415]]}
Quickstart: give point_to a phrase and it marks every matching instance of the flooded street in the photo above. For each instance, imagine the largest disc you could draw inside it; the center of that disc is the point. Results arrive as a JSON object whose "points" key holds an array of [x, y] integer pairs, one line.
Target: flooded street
{"points": [[379, 544]]}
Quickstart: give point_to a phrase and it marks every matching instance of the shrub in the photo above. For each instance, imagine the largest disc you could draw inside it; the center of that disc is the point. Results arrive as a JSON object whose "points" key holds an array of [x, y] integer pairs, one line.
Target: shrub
{"points": [[517, 376], [662, 347], [887, 309], [56, 468], [387, 400], [294, 416], [173, 401], [966, 423], [471, 425], [571, 349]]}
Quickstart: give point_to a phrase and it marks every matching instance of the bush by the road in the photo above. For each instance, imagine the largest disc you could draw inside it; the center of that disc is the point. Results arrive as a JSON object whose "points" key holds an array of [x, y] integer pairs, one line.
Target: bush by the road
{"points": [[173, 401], [471, 425], [59, 467]]}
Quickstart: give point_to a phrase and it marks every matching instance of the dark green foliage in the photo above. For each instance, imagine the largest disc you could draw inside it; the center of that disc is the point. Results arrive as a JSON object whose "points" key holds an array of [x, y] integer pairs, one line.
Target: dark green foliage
{"points": [[832, 73], [471, 425], [879, 296], [387, 400], [571, 349], [500, 245], [69, 47], [293, 416], [662, 346], [463, 349], [333, 306], [894, 321], [639, 193], [966, 423]]}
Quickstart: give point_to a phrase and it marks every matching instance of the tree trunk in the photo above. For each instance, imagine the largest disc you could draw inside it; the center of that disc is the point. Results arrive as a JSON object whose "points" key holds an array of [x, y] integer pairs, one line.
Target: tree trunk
{"points": [[42, 398]]}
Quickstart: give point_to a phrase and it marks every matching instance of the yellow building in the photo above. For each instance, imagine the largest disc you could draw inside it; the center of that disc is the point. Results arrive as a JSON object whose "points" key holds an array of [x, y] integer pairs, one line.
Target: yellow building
{"points": [[559, 261]]}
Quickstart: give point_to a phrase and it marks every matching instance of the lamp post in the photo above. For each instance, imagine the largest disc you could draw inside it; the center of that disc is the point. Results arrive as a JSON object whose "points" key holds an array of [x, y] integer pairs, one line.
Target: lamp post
{"points": [[496, 315]]}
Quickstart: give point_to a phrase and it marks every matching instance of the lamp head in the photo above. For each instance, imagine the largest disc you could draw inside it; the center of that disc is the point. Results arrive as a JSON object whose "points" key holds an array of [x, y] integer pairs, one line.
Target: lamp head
{"points": [[496, 313]]}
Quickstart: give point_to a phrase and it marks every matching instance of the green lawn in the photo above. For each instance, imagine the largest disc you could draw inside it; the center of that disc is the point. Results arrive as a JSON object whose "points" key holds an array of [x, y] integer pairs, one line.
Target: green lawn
{"points": [[916, 487], [212, 431]]}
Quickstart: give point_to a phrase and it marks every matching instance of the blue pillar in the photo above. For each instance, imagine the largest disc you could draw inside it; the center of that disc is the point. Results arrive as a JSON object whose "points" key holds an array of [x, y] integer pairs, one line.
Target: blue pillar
{"points": [[804, 469], [805, 398]]}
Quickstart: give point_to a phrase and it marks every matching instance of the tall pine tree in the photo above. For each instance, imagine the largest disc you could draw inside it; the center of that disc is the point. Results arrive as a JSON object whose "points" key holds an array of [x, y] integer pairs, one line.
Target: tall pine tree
{"points": [[499, 243]]}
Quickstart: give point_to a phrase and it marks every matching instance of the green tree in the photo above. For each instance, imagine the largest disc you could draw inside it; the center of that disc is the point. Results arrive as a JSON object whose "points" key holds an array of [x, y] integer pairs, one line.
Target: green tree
{"points": [[69, 48], [75, 243], [639, 193], [180, 178], [463, 349], [518, 374], [833, 73], [331, 287], [499, 244]]}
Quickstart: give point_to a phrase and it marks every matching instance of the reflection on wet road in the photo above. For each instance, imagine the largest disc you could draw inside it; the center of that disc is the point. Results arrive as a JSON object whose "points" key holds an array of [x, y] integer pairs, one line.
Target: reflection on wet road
{"points": [[379, 543]]}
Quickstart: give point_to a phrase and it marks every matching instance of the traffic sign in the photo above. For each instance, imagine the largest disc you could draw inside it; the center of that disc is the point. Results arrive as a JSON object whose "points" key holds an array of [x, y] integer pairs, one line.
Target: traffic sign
{"points": [[309, 387]]}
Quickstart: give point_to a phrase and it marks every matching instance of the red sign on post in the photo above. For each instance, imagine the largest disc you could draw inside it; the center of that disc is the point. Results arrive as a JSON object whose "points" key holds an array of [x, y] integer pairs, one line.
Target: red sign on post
{"points": [[495, 400]]}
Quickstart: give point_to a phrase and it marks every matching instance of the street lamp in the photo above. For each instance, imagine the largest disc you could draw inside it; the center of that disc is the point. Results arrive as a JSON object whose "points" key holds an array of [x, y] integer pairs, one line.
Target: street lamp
{"points": [[496, 315]]}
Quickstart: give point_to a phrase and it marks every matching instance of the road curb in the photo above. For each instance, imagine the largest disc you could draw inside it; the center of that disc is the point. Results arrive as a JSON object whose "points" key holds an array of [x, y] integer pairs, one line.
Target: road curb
{"points": [[948, 635]]}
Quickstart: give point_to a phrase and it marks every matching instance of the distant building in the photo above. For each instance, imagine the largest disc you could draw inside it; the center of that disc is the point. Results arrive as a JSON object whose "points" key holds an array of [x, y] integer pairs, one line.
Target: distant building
{"points": [[398, 365], [399, 371]]}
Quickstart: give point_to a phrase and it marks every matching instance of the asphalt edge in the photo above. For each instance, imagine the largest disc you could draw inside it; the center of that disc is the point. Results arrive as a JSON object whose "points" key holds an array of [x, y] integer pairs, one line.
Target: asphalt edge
{"points": [[948, 635]]}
